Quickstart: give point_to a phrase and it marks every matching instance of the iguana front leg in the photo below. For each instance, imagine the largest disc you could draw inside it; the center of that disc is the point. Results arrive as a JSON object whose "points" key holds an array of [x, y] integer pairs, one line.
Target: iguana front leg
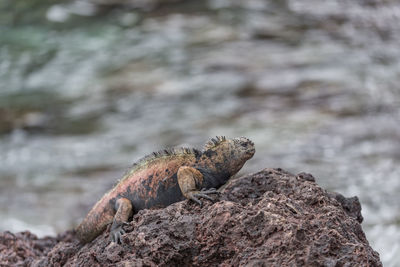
{"points": [[124, 211], [189, 179]]}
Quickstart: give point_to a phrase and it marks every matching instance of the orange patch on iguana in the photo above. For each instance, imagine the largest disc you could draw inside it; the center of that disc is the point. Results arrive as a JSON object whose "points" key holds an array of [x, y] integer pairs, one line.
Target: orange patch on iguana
{"points": [[146, 182]]}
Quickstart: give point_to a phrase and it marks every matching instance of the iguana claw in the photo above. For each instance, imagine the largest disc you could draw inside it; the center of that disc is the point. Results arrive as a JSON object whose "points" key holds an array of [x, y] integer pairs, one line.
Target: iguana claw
{"points": [[116, 234], [210, 191], [203, 194]]}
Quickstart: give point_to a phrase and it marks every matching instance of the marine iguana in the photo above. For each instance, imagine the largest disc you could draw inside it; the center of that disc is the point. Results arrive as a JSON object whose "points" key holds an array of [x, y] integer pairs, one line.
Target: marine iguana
{"points": [[163, 178]]}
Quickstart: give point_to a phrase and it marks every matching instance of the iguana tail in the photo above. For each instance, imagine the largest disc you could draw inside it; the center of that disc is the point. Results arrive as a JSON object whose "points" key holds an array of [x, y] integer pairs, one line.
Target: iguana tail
{"points": [[95, 222]]}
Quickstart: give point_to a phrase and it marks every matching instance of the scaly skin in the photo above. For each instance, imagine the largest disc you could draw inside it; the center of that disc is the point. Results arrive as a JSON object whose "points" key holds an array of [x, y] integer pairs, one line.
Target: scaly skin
{"points": [[163, 178]]}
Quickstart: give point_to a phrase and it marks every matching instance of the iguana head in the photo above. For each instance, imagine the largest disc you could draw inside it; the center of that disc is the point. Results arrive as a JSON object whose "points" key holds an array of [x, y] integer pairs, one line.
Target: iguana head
{"points": [[230, 154]]}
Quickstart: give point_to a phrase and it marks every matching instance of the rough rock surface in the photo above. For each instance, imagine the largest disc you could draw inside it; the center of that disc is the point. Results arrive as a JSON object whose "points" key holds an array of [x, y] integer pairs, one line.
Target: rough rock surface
{"points": [[22, 249], [270, 218]]}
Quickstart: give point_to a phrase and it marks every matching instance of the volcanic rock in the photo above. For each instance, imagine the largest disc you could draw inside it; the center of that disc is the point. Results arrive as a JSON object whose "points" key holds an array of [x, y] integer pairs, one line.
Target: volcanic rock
{"points": [[270, 218]]}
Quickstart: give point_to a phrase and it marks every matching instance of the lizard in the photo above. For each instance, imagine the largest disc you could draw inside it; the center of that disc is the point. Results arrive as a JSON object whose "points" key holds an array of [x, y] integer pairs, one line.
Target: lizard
{"points": [[165, 177]]}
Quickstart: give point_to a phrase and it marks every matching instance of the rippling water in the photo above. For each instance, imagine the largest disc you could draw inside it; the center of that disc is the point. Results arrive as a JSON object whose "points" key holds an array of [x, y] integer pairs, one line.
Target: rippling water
{"points": [[86, 90]]}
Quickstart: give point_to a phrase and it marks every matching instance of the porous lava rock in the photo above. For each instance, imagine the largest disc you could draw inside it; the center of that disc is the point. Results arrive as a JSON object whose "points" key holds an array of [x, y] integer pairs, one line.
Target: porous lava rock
{"points": [[22, 249], [270, 218]]}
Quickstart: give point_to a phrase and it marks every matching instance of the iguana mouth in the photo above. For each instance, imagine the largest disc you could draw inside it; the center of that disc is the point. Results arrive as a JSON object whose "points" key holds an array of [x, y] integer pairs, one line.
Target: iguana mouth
{"points": [[251, 152]]}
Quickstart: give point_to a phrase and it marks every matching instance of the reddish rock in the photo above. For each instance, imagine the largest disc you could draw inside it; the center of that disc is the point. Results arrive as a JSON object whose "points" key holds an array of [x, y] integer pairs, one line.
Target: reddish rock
{"points": [[270, 218], [21, 249]]}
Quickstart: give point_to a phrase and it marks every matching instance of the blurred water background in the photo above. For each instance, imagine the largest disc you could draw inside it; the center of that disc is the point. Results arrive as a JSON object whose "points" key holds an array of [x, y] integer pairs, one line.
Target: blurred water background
{"points": [[88, 87]]}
